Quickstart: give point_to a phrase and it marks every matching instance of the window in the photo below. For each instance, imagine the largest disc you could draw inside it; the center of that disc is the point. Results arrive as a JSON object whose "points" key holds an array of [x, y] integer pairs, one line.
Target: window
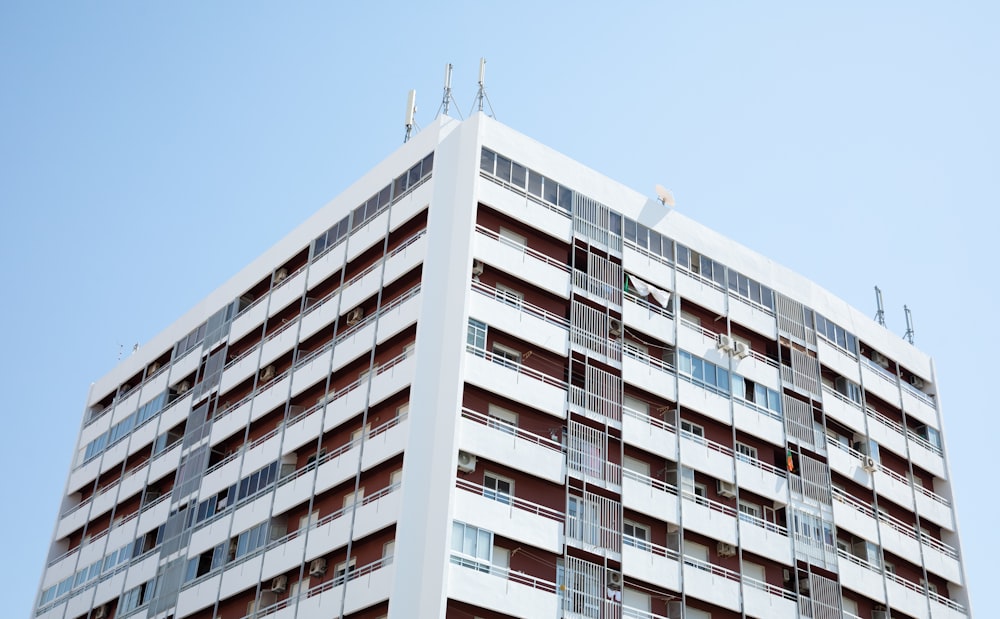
{"points": [[506, 356], [692, 429], [251, 539], [509, 237], [361, 432], [476, 337], [473, 545], [298, 586], [637, 405], [498, 488], [636, 465], [502, 419], [310, 520], [389, 549], [691, 318], [344, 567], [396, 477], [635, 346], [583, 521], [635, 534], [354, 497], [689, 486], [510, 296], [749, 512], [745, 452]]}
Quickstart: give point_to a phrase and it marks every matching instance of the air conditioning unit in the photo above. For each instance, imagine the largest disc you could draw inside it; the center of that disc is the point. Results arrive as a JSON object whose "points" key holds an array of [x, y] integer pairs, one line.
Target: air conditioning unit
{"points": [[184, 387], [723, 342], [614, 580], [100, 612], [466, 462], [615, 327], [355, 315], [727, 489], [917, 382], [153, 367], [880, 359], [125, 388], [880, 614], [267, 373], [804, 586], [870, 464], [726, 549], [280, 275], [742, 350], [279, 584], [477, 269], [317, 568]]}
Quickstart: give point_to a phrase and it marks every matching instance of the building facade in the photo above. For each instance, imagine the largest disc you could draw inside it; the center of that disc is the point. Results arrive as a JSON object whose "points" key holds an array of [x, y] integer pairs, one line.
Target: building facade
{"points": [[486, 381]]}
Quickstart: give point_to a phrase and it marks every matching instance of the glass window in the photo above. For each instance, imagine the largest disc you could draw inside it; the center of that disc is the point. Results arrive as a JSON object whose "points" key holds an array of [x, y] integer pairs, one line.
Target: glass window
{"points": [[551, 191], [630, 229], [535, 183], [476, 337], [503, 168], [504, 355], [518, 175], [745, 452], [498, 488], [565, 197]]}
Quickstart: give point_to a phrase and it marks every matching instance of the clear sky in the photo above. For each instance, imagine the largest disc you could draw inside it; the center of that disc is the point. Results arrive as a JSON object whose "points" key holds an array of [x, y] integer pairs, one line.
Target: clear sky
{"points": [[148, 151]]}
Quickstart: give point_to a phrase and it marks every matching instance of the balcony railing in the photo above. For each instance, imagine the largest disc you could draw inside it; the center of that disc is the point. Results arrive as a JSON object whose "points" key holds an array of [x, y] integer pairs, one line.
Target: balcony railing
{"points": [[527, 251], [518, 368], [512, 501], [507, 428], [521, 305], [515, 577]]}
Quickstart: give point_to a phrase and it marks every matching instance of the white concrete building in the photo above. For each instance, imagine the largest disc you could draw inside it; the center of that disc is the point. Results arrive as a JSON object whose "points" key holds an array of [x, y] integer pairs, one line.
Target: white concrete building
{"points": [[486, 381]]}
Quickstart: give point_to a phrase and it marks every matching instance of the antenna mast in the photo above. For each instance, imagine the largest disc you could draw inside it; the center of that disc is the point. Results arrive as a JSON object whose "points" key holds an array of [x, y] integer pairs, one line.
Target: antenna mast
{"points": [[880, 314], [411, 109], [908, 336], [447, 98], [481, 96]]}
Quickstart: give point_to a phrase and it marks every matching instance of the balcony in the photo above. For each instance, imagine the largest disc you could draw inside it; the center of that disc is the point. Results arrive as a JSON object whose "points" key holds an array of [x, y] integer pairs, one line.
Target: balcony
{"points": [[648, 317], [706, 456], [530, 322], [650, 563], [860, 576], [842, 408], [522, 206], [702, 291], [509, 516], [712, 583], [528, 264], [650, 433], [753, 315], [919, 405], [764, 538], [838, 359], [652, 374], [710, 518], [499, 589], [762, 478], [495, 440], [650, 496], [516, 381], [762, 599], [701, 342], [879, 381]]}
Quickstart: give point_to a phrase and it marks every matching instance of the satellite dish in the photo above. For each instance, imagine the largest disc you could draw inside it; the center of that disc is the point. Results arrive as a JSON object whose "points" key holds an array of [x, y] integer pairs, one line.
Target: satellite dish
{"points": [[666, 198]]}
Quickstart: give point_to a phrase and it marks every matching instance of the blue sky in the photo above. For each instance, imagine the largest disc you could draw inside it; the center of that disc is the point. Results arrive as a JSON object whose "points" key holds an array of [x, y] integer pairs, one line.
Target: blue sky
{"points": [[150, 150]]}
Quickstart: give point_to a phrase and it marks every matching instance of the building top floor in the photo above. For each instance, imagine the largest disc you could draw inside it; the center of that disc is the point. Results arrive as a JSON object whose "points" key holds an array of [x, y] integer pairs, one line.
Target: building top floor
{"points": [[482, 131]]}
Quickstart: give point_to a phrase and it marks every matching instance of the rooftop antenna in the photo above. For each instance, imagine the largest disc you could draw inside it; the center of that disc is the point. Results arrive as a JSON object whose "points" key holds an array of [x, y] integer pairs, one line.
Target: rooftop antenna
{"points": [[665, 196], [447, 98], [481, 96], [880, 314], [908, 336], [411, 109]]}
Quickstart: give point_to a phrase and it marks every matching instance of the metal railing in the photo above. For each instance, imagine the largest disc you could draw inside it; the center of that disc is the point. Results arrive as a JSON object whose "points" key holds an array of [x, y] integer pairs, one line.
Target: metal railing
{"points": [[511, 500], [521, 305], [507, 428], [527, 251]]}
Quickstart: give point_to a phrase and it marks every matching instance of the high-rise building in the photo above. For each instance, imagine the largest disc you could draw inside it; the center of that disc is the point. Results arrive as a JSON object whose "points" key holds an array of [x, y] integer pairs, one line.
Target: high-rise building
{"points": [[486, 381]]}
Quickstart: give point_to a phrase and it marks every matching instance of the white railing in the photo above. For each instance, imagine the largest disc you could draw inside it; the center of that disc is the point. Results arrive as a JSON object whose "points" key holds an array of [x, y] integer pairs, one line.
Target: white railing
{"points": [[507, 428], [512, 501], [535, 254], [518, 368], [504, 573], [521, 305]]}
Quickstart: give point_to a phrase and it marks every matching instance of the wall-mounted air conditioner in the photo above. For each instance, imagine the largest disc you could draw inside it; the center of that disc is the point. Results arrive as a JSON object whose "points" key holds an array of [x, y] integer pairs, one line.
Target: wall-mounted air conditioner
{"points": [[880, 359], [742, 350], [280, 275], [184, 387], [355, 315], [723, 342], [477, 269], [267, 373], [727, 489], [725, 549], [466, 462], [615, 327], [917, 382], [279, 584], [614, 580], [317, 567], [870, 464]]}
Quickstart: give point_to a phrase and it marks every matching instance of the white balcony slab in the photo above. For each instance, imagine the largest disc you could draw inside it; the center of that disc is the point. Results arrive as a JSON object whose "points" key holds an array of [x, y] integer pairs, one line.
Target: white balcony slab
{"points": [[704, 401], [848, 517], [643, 495], [527, 326], [880, 383], [654, 379], [251, 318], [522, 264], [761, 481], [500, 594], [368, 235], [860, 579], [707, 520], [651, 437], [849, 414], [917, 408], [518, 386], [643, 319], [839, 361], [326, 265], [905, 599], [711, 587], [756, 422], [753, 317], [706, 457], [701, 292], [761, 603], [498, 445], [651, 567], [935, 511], [287, 292], [507, 520], [522, 208]]}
